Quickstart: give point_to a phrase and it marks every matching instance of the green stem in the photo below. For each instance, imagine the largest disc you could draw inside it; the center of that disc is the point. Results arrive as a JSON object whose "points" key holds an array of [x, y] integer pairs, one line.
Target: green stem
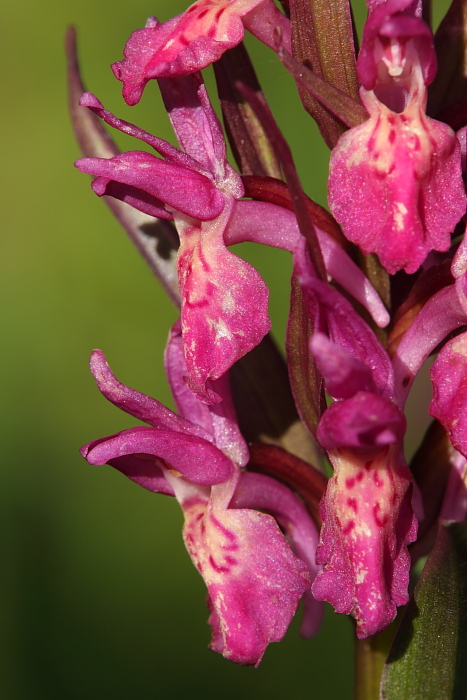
{"points": [[370, 657]]}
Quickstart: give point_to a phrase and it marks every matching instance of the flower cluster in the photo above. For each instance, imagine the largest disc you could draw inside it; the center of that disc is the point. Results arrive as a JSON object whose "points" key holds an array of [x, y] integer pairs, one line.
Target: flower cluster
{"points": [[263, 525]]}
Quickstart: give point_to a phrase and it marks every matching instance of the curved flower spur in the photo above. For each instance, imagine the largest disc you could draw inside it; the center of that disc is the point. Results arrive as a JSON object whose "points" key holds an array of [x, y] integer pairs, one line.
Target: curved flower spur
{"points": [[254, 579]]}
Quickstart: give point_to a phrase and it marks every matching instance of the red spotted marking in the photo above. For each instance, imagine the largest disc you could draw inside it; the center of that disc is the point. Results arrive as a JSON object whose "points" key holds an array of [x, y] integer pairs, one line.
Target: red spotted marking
{"points": [[217, 568], [183, 40], [377, 479], [380, 520], [352, 503]]}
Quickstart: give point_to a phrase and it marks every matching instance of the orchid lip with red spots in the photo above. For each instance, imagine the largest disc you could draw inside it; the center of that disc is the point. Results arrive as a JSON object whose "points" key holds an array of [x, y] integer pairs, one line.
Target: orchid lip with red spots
{"points": [[368, 519], [194, 40], [224, 300], [254, 579], [395, 182]]}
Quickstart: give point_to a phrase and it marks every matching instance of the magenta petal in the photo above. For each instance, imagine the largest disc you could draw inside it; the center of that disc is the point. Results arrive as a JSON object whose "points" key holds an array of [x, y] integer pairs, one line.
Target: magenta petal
{"points": [[455, 498], [139, 405], [181, 188], [351, 278], [364, 420], [144, 471], [227, 435], [270, 224], [385, 22], [345, 327], [218, 419], [198, 130], [449, 377], [395, 185], [193, 40], [343, 374], [199, 461], [138, 199], [395, 181], [263, 493], [253, 578], [459, 261], [224, 311], [188, 405], [165, 149], [367, 525], [180, 46], [445, 312]]}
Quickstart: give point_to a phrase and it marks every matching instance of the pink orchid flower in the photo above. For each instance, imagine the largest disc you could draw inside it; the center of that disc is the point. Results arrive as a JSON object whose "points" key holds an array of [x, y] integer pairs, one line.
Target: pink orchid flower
{"points": [[224, 300], [253, 577], [194, 40], [395, 182], [368, 519]]}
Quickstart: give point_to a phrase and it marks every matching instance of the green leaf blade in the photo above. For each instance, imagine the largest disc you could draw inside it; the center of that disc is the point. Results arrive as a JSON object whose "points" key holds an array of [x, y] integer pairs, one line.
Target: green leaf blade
{"points": [[427, 660]]}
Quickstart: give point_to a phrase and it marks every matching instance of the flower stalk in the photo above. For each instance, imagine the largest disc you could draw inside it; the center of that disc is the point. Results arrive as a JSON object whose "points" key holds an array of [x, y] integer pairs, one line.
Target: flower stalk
{"points": [[370, 658]]}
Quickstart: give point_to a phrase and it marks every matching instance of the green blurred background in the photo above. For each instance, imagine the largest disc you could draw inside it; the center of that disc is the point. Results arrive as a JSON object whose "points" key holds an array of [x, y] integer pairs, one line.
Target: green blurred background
{"points": [[98, 598]]}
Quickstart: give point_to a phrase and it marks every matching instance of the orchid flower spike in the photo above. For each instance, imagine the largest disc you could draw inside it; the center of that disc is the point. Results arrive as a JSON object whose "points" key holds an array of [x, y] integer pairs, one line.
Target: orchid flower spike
{"points": [[395, 182], [253, 577], [194, 40]]}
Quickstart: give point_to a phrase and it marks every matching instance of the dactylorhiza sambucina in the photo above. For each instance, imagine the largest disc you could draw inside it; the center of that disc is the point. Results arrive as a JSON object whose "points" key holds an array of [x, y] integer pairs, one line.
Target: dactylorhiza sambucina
{"points": [[396, 189]]}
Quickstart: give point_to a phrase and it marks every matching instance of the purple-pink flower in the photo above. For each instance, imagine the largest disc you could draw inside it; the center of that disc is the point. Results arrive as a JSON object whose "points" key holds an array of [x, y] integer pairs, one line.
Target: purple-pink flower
{"points": [[395, 182], [253, 577], [368, 519], [224, 300], [194, 40]]}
